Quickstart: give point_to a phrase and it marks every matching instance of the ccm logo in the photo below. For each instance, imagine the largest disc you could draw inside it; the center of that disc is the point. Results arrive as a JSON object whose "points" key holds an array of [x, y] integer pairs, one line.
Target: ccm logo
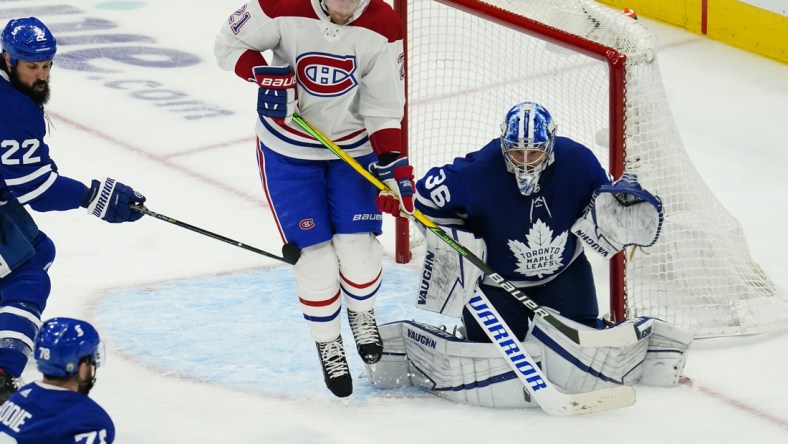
{"points": [[286, 82], [307, 224]]}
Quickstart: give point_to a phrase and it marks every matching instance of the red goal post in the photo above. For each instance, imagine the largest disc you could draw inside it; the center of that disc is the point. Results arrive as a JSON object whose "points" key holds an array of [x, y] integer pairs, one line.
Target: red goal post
{"points": [[595, 69]]}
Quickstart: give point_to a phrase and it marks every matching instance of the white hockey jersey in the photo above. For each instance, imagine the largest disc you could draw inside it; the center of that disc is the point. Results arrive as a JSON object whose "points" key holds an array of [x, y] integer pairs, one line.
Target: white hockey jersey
{"points": [[350, 77]]}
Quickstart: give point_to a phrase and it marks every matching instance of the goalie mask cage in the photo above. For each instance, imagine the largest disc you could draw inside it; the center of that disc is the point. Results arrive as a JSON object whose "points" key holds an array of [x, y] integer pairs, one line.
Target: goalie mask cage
{"points": [[595, 70]]}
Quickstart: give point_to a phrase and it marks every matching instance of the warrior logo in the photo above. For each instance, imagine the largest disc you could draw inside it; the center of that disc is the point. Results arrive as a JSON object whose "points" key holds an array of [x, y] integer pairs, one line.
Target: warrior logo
{"points": [[326, 75]]}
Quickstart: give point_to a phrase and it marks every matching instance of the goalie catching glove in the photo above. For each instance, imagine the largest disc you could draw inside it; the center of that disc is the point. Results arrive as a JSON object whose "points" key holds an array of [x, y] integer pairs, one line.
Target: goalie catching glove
{"points": [[620, 215], [109, 200], [397, 174], [276, 97]]}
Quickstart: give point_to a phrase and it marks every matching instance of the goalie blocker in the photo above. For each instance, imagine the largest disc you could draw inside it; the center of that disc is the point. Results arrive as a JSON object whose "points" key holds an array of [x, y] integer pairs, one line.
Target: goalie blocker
{"points": [[475, 373]]}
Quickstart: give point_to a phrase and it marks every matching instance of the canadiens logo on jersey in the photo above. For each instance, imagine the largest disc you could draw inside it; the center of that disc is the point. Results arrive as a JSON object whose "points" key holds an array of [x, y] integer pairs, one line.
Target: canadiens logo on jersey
{"points": [[307, 224], [541, 254], [326, 75]]}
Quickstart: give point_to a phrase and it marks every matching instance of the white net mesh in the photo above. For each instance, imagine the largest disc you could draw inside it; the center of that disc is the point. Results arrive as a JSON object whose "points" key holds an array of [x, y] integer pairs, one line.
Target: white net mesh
{"points": [[465, 72]]}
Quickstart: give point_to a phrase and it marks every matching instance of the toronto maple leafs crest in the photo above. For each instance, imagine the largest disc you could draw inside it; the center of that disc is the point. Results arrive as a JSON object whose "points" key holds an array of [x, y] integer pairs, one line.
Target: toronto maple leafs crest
{"points": [[541, 255]]}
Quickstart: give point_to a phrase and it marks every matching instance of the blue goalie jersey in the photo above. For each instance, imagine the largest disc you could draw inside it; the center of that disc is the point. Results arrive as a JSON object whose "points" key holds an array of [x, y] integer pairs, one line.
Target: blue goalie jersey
{"points": [[41, 413], [528, 238]]}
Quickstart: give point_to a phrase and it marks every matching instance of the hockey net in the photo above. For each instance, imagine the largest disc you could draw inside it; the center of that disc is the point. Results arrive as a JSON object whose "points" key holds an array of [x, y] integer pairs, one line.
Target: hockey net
{"points": [[596, 70]]}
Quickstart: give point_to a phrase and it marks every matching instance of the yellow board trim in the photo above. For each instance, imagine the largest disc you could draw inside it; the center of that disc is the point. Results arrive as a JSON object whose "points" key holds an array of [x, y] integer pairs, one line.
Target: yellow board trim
{"points": [[732, 22]]}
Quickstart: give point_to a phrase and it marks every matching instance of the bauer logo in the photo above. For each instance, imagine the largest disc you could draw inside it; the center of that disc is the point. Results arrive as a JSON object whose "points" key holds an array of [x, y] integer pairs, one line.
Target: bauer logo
{"points": [[326, 75], [278, 83], [373, 216]]}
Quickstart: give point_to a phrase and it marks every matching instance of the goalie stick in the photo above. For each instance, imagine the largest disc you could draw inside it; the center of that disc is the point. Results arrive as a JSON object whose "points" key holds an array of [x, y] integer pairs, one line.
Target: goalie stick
{"points": [[290, 252], [623, 334], [549, 398]]}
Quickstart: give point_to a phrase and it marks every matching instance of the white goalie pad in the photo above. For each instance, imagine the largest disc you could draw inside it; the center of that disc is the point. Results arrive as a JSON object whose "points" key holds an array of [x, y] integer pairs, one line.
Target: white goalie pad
{"points": [[667, 354], [577, 369], [464, 372], [474, 373], [447, 279], [657, 359]]}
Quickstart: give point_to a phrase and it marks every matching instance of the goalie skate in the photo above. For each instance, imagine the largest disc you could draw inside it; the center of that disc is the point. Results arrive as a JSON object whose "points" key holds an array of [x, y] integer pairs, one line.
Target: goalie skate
{"points": [[335, 369], [366, 334]]}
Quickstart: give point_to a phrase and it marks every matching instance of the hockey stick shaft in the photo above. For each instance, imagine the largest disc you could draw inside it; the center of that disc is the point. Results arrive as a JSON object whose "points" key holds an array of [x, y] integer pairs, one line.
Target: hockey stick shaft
{"points": [[606, 338], [549, 398], [290, 252]]}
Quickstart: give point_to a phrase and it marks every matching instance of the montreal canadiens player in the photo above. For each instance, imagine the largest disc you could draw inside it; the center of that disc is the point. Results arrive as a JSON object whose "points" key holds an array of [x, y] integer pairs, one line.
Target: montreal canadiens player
{"points": [[530, 202], [31, 179], [340, 65]]}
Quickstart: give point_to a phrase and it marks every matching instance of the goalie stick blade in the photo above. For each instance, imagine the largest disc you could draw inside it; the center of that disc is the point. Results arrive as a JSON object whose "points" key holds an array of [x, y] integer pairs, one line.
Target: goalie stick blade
{"points": [[591, 402]]}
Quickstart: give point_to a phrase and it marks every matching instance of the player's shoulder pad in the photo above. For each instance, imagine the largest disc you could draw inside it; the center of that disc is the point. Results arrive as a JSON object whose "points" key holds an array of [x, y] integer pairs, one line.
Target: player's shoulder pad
{"points": [[381, 18], [570, 147], [290, 8]]}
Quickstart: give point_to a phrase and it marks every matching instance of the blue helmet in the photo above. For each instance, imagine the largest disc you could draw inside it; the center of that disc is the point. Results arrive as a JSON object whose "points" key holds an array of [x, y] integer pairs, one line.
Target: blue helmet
{"points": [[527, 140], [62, 342], [28, 39]]}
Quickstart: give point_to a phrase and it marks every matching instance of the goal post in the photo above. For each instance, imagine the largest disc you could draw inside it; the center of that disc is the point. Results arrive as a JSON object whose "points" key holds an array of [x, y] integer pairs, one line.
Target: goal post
{"points": [[596, 70]]}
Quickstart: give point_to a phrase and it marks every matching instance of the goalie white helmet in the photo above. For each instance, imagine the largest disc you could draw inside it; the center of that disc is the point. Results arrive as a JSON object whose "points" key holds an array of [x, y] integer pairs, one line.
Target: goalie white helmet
{"points": [[527, 139]]}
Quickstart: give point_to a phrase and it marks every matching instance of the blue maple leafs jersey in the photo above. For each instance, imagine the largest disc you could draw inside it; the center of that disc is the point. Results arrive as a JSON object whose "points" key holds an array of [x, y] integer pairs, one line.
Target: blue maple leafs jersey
{"points": [[528, 237], [43, 413], [26, 168]]}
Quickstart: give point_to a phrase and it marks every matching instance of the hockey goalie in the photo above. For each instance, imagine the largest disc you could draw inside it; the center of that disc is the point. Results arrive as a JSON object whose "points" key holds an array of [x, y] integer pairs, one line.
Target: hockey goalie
{"points": [[529, 203]]}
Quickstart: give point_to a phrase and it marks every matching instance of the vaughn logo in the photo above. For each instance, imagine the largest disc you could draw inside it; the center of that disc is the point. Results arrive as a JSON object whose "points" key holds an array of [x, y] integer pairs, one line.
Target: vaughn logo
{"points": [[426, 276], [421, 339]]}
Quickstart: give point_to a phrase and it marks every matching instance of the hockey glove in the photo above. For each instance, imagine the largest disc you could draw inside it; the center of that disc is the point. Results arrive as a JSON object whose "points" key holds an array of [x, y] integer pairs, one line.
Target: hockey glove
{"points": [[397, 175], [276, 97], [620, 214], [109, 200]]}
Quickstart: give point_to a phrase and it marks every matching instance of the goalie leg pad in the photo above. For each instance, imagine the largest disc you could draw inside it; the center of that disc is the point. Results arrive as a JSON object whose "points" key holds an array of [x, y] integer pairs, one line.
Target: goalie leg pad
{"points": [[392, 371], [667, 354], [577, 369], [464, 372], [447, 279]]}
